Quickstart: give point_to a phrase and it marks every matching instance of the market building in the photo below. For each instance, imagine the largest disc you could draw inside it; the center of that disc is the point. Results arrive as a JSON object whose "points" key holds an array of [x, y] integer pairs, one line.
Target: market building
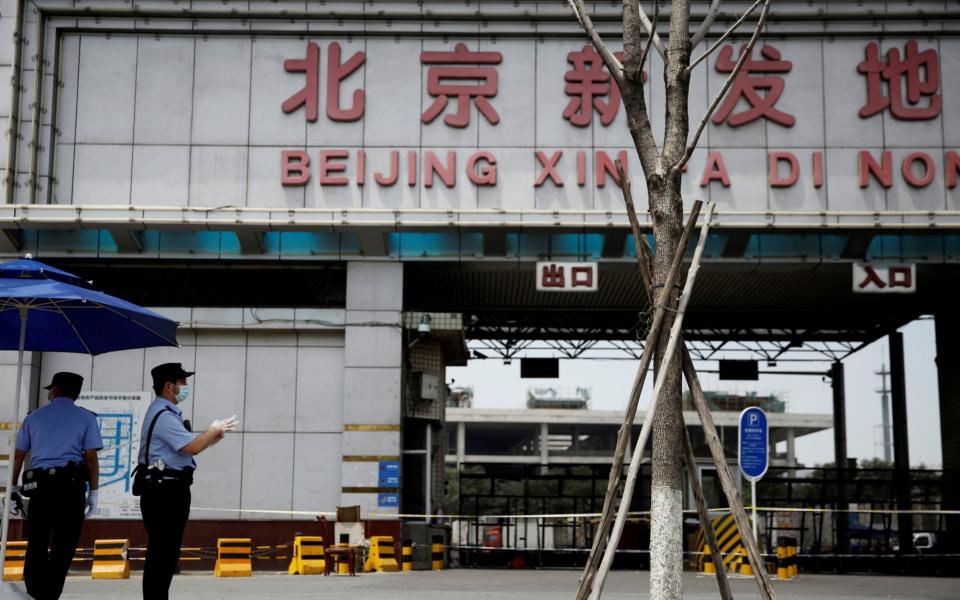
{"points": [[338, 200]]}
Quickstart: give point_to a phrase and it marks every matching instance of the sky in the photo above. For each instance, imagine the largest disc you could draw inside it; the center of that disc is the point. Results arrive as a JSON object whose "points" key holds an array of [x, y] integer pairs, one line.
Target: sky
{"points": [[499, 386]]}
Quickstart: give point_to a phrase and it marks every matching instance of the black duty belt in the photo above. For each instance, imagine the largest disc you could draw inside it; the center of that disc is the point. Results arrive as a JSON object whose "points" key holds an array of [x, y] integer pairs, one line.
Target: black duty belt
{"points": [[157, 475], [42, 478]]}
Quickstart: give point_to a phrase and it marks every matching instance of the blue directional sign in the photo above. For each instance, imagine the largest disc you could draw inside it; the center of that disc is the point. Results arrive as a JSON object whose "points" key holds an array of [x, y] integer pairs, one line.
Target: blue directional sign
{"points": [[388, 500], [389, 474], [753, 445]]}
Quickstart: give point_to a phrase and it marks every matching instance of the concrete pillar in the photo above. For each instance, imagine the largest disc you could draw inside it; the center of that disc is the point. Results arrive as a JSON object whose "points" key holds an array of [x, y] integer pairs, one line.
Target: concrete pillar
{"points": [[840, 455], [948, 380], [791, 448], [461, 443], [544, 444], [901, 447], [373, 350]]}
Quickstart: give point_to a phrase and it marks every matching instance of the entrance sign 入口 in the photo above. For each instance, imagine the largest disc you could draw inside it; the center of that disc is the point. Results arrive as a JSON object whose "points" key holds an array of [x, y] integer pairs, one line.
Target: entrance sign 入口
{"points": [[753, 451], [884, 278]]}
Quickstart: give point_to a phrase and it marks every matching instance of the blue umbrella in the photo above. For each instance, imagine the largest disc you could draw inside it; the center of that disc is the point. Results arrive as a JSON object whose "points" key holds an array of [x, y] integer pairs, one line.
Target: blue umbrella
{"points": [[65, 314]]}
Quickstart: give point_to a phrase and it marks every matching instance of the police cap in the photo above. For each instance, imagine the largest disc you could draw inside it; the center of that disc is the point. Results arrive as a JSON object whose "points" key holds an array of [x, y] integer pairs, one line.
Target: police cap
{"points": [[172, 372], [69, 383]]}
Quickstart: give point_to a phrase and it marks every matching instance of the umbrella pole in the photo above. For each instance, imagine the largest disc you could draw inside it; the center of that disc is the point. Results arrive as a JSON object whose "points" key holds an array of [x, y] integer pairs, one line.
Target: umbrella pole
{"points": [[15, 429]]}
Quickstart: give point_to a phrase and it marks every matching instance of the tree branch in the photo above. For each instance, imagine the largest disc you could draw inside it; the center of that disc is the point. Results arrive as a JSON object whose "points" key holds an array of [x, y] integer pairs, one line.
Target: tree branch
{"points": [[650, 38], [613, 65], [744, 56], [632, 90], [650, 26], [677, 87], [707, 23], [723, 37]]}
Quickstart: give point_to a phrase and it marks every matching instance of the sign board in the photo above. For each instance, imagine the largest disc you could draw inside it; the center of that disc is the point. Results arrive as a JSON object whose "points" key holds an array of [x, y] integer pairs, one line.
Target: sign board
{"points": [[389, 474], [566, 277], [388, 500], [884, 278], [753, 448], [120, 416]]}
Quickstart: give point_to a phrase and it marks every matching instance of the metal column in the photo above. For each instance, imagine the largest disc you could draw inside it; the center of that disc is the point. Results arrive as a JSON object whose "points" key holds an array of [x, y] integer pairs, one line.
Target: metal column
{"points": [[948, 380], [840, 455], [901, 449]]}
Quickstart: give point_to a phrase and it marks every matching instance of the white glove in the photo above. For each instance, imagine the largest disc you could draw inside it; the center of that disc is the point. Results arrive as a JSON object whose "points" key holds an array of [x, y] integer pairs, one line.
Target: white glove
{"points": [[222, 426], [16, 501], [92, 497]]}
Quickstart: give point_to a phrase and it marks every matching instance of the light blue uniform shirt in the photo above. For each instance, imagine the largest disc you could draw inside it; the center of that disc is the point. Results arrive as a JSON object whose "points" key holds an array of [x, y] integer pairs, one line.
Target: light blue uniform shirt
{"points": [[58, 433], [169, 436]]}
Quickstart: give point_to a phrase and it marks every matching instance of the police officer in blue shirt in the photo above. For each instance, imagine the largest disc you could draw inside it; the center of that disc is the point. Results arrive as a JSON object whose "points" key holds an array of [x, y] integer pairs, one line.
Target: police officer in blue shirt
{"points": [[63, 440], [165, 473]]}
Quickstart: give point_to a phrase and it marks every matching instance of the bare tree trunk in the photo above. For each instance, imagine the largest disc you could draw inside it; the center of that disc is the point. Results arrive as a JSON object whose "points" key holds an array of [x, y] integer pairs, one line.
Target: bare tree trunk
{"points": [[666, 488], [666, 206], [662, 171]]}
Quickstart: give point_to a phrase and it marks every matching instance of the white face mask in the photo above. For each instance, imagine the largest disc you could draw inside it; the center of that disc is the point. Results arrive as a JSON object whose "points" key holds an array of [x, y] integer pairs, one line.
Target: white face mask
{"points": [[183, 394]]}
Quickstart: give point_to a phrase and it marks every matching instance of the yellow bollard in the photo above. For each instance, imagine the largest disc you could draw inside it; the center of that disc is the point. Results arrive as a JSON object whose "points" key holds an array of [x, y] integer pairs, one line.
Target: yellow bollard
{"points": [[783, 566], [794, 565], [708, 561], [307, 556], [436, 552], [110, 559], [233, 558], [13, 567], [406, 555], [342, 567]]}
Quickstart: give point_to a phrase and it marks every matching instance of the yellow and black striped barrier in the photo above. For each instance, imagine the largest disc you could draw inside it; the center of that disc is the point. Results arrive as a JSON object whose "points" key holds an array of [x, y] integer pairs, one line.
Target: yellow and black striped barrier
{"points": [[436, 552], [746, 569], [233, 558], [406, 556], [13, 566], [111, 559], [307, 556], [728, 541], [381, 557], [708, 561]]}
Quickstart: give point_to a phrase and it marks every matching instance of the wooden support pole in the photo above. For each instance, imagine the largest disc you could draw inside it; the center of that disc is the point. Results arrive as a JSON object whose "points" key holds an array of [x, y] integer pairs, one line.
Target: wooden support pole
{"points": [[725, 592], [726, 479], [672, 344], [706, 420], [623, 436], [643, 260]]}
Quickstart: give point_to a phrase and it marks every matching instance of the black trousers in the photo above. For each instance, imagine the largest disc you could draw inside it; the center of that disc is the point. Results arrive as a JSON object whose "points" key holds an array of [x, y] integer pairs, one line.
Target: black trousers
{"points": [[165, 509], [54, 521]]}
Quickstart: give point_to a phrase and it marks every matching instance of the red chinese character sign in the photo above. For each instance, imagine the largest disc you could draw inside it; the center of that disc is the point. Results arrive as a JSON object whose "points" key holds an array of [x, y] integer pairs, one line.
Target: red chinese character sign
{"points": [[308, 97], [884, 279], [755, 77], [566, 277], [465, 77], [912, 82], [590, 88]]}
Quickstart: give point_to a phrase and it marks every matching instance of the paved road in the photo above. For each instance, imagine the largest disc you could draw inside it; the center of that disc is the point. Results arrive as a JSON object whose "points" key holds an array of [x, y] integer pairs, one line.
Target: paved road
{"points": [[472, 584]]}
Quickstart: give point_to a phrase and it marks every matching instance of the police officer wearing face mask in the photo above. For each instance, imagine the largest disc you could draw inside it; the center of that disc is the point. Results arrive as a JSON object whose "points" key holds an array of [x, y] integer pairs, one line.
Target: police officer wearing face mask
{"points": [[165, 470], [63, 440]]}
